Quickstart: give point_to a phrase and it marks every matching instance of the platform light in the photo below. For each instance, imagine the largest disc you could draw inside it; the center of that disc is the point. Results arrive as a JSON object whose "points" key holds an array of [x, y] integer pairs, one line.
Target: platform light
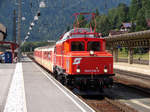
{"points": [[36, 18], [32, 24], [23, 18], [42, 4], [30, 28], [26, 37], [28, 33]]}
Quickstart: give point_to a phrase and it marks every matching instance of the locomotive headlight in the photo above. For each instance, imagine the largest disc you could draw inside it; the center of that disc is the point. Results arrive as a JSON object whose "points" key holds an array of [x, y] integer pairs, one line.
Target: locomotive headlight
{"points": [[105, 70], [91, 52], [78, 70]]}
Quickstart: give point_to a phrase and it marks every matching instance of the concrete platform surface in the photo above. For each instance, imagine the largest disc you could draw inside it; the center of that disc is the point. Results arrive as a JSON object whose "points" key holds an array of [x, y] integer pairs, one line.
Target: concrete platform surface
{"points": [[137, 68], [45, 94], [6, 74]]}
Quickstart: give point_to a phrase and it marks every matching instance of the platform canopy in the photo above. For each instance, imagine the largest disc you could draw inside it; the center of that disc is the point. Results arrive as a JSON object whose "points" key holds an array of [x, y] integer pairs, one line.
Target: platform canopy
{"points": [[136, 39], [3, 32]]}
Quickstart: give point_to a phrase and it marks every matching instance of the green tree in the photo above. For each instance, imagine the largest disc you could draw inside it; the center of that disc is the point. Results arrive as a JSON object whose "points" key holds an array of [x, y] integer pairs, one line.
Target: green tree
{"points": [[134, 7], [68, 28], [141, 23], [97, 12], [103, 25], [113, 18], [122, 14], [146, 8]]}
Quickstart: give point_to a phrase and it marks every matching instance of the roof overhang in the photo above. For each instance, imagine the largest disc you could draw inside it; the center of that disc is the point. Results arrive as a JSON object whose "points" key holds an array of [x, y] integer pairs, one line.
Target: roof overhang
{"points": [[136, 39]]}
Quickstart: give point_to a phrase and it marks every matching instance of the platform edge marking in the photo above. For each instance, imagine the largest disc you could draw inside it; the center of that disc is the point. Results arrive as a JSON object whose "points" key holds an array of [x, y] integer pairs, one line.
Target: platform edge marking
{"points": [[16, 96]]}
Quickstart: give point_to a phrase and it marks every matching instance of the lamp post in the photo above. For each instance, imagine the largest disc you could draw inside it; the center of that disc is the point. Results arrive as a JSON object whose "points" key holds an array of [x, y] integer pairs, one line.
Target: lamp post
{"points": [[19, 30], [14, 27]]}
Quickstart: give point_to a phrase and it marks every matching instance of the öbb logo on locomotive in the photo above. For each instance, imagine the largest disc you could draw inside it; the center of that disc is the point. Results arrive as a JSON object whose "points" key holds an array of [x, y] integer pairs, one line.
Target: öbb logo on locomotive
{"points": [[79, 59]]}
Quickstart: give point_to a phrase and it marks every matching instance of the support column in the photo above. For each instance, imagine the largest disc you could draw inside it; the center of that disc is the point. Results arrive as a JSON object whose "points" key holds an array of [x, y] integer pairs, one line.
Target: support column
{"points": [[130, 56], [115, 54], [19, 29]]}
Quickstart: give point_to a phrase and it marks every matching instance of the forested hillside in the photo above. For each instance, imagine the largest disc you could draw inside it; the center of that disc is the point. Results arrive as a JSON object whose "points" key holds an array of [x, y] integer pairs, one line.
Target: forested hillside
{"points": [[55, 17]]}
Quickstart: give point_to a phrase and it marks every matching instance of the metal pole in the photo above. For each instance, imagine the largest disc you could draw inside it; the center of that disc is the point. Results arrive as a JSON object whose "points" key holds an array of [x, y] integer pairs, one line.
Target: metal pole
{"points": [[14, 27], [19, 30], [149, 56]]}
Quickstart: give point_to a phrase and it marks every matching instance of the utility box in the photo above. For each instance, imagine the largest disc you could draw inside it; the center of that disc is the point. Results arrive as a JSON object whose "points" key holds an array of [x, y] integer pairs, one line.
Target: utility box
{"points": [[6, 57]]}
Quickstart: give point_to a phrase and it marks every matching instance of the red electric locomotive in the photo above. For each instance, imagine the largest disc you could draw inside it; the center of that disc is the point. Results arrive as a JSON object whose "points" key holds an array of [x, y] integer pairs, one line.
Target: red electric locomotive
{"points": [[79, 59]]}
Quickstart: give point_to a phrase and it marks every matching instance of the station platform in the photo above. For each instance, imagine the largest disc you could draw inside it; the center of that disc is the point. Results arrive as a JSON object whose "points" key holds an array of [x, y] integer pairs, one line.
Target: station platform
{"points": [[6, 73], [138, 75], [136, 68], [28, 88]]}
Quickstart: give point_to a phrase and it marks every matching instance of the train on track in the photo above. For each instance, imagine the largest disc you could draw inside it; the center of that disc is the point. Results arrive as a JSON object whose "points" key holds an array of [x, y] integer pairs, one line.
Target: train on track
{"points": [[79, 59]]}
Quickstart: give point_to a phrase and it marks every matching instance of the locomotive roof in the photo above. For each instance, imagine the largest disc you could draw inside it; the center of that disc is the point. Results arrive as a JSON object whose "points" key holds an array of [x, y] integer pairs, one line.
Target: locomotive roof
{"points": [[76, 33], [45, 48]]}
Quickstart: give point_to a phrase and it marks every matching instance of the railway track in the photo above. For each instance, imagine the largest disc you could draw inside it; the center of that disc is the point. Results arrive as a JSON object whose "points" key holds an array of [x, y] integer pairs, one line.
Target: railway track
{"points": [[109, 102], [105, 104]]}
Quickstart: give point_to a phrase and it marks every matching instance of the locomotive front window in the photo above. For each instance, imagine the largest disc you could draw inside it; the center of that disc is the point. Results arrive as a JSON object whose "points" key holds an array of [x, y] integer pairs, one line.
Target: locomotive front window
{"points": [[93, 46], [77, 46]]}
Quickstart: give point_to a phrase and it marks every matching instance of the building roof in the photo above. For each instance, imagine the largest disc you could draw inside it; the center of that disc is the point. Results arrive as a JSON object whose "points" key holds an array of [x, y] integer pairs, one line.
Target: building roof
{"points": [[127, 25], [113, 32]]}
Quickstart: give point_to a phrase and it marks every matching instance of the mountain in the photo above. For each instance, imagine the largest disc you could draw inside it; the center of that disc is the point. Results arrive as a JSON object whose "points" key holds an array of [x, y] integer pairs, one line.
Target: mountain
{"points": [[54, 18]]}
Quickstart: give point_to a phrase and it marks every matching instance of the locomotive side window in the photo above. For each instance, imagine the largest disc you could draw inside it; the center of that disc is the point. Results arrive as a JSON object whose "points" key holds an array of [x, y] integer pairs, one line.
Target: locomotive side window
{"points": [[77, 46], [49, 55], [93, 46]]}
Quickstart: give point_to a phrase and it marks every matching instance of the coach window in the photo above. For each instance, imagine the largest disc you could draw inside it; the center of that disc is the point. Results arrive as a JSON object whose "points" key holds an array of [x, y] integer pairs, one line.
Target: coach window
{"points": [[93, 46], [77, 46], [49, 55]]}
